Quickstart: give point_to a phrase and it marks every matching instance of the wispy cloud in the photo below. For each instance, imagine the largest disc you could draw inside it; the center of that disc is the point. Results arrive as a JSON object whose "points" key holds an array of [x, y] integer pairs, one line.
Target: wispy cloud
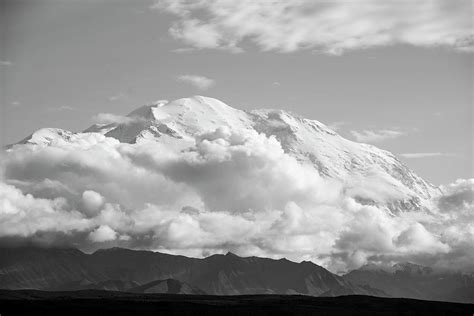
{"points": [[426, 155], [62, 108], [200, 82], [116, 97], [5, 63], [183, 50], [376, 136], [335, 126], [329, 26], [109, 118]]}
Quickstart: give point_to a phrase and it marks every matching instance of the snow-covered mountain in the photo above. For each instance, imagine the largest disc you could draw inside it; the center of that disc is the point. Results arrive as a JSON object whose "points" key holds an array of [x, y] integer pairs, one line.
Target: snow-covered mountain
{"points": [[369, 174]]}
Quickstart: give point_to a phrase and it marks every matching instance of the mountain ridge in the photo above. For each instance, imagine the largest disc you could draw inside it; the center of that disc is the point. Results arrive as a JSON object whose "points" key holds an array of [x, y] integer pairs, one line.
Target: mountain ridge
{"points": [[124, 269], [59, 268]]}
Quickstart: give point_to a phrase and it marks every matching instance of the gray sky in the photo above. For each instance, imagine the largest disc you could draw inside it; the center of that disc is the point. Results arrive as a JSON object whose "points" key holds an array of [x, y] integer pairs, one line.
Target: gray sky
{"points": [[64, 61]]}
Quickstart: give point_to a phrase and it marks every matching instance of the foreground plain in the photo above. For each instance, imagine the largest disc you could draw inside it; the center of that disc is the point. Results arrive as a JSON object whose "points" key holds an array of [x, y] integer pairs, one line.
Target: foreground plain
{"points": [[32, 302]]}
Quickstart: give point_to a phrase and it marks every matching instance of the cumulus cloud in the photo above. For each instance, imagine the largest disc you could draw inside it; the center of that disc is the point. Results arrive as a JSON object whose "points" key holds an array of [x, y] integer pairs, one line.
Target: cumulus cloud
{"points": [[458, 196], [417, 239], [426, 155], [23, 215], [329, 26], [227, 191], [92, 201], [456, 207], [103, 233], [200, 82], [376, 136]]}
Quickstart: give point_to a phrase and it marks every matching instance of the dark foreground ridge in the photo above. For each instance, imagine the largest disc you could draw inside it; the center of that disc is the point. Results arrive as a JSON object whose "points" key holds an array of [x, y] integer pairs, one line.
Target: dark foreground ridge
{"points": [[146, 272], [93, 302]]}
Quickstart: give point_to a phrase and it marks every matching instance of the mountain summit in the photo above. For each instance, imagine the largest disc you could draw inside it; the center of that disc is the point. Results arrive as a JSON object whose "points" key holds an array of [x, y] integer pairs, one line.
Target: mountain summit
{"points": [[367, 172]]}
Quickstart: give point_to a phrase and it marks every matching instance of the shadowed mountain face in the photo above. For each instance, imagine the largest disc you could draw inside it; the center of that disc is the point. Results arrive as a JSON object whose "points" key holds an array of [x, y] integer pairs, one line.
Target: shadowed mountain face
{"points": [[122, 269], [414, 281]]}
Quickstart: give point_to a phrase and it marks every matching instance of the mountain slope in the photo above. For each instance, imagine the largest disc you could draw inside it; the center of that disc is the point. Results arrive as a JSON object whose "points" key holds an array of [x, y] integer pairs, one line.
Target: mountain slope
{"points": [[369, 174], [42, 268]]}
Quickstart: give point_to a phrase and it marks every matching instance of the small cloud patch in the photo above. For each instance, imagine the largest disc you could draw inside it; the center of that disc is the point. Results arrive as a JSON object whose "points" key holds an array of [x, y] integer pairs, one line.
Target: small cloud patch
{"points": [[200, 82]]}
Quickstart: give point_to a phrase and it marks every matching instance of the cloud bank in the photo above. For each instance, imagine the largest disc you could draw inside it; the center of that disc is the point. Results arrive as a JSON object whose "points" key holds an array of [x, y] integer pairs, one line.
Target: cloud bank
{"points": [[332, 27], [228, 192]]}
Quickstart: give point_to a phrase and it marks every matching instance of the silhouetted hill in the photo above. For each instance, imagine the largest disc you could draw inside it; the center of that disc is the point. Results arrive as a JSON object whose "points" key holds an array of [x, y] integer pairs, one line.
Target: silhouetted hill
{"points": [[119, 269]]}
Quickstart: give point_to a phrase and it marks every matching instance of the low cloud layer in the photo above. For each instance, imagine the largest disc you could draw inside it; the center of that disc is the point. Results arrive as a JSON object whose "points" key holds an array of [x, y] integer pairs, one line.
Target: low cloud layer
{"points": [[331, 27], [237, 192]]}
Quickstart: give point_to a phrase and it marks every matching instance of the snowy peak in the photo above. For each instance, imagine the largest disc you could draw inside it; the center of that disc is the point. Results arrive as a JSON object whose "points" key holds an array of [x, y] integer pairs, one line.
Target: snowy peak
{"points": [[371, 175], [46, 136], [183, 118], [200, 114], [187, 109]]}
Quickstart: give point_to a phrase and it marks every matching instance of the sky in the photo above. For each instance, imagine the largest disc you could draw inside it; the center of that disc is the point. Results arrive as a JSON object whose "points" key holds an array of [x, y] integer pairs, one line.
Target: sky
{"points": [[64, 61], [395, 74]]}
